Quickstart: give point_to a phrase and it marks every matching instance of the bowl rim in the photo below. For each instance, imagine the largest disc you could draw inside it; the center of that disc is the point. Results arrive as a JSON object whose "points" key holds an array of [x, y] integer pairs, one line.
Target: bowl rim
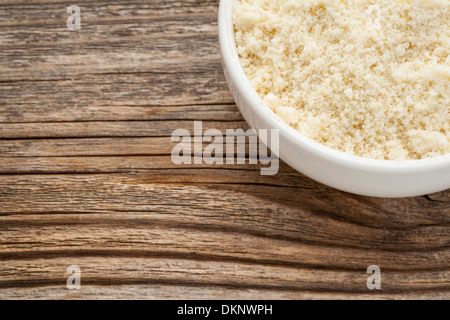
{"points": [[230, 60]]}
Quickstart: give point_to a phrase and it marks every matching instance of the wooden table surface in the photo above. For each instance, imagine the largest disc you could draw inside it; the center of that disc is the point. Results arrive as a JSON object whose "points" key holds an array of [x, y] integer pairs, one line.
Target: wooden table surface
{"points": [[86, 176]]}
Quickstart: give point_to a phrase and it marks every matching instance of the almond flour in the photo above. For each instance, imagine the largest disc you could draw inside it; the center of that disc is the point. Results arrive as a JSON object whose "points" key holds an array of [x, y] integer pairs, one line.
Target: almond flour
{"points": [[369, 78]]}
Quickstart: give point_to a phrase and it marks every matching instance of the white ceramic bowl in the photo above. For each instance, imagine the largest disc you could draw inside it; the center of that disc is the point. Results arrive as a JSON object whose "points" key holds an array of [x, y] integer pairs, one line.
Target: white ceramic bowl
{"points": [[378, 178]]}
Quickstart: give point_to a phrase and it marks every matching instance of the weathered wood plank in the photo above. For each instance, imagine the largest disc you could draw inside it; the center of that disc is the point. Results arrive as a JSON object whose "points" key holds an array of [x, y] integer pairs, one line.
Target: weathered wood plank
{"points": [[289, 208], [79, 147], [110, 129], [66, 113], [175, 292], [102, 164], [107, 271], [205, 86]]}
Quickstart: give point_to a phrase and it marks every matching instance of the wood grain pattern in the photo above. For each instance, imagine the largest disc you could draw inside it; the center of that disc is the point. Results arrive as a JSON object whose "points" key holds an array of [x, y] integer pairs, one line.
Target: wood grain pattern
{"points": [[86, 176]]}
